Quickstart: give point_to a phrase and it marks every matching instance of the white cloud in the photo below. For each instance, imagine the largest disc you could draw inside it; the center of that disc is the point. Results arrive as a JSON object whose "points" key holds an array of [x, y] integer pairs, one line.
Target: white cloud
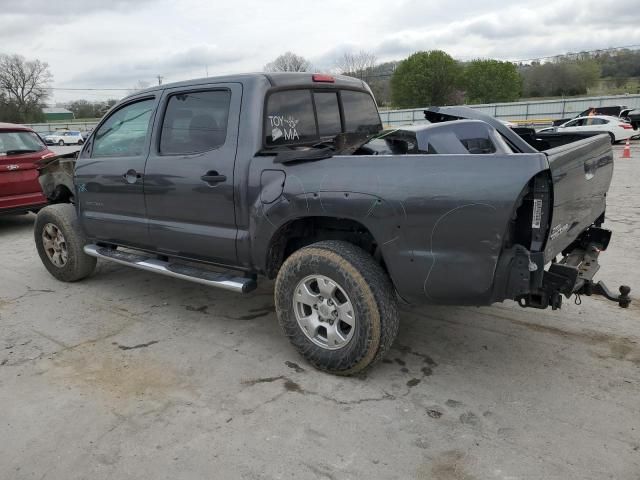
{"points": [[115, 44]]}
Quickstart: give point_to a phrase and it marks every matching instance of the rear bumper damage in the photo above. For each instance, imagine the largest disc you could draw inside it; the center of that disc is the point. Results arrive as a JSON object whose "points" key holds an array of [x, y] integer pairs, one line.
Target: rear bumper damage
{"points": [[573, 274]]}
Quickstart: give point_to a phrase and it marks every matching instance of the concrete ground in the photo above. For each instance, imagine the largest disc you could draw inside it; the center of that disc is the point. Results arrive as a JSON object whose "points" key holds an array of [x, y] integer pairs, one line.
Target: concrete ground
{"points": [[136, 376]]}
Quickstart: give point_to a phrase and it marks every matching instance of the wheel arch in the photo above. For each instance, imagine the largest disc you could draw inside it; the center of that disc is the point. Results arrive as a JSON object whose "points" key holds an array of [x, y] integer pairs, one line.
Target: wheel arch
{"points": [[299, 232]]}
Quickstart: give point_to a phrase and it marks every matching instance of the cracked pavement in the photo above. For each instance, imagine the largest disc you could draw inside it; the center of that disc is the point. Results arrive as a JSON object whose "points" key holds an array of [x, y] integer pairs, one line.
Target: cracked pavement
{"points": [[132, 375]]}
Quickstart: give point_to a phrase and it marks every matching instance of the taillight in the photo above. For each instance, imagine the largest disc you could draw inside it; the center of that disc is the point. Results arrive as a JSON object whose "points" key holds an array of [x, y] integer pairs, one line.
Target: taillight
{"points": [[320, 77], [626, 126]]}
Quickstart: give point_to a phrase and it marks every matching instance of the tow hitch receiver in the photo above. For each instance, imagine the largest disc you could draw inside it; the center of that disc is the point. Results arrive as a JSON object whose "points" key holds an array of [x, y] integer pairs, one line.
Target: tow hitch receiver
{"points": [[574, 274]]}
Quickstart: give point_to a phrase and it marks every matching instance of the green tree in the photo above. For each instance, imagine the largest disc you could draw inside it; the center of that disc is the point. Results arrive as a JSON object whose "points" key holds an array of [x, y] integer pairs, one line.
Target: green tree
{"points": [[488, 81], [425, 79], [564, 77]]}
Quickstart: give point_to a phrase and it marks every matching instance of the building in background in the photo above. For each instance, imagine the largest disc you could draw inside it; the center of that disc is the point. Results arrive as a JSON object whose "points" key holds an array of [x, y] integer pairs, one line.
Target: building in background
{"points": [[56, 114]]}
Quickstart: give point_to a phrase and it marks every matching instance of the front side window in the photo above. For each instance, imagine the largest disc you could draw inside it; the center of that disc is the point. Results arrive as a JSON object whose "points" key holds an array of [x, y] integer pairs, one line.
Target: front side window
{"points": [[195, 122], [290, 119], [360, 112], [123, 134]]}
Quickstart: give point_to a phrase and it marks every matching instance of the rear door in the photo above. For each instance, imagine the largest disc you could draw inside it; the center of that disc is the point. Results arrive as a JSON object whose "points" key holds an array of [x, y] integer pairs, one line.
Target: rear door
{"points": [[189, 177], [109, 175], [19, 151]]}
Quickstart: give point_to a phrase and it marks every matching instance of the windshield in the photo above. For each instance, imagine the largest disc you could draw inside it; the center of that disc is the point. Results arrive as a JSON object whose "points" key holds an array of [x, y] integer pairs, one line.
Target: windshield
{"points": [[15, 143]]}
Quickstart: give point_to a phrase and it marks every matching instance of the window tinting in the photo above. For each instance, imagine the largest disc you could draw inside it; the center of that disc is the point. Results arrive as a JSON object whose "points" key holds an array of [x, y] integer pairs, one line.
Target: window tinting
{"points": [[360, 112], [328, 113], [124, 132], [596, 121], [195, 122], [289, 118]]}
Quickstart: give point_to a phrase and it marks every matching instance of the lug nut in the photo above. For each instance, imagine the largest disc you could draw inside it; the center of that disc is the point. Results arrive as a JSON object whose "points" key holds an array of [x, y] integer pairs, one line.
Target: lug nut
{"points": [[330, 302]]}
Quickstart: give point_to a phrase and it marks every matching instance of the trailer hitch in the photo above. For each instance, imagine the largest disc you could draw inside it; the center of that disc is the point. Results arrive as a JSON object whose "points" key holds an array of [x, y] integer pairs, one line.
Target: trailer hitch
{"points": [[590, 288]]}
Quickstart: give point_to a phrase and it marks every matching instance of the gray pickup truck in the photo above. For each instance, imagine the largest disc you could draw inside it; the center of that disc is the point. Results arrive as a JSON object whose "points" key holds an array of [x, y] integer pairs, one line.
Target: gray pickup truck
{"points": [[292, 176]]}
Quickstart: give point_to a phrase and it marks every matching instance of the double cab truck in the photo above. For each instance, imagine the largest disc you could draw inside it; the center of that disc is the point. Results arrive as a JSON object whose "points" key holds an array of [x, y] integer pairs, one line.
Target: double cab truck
{"points": [[223, 181]]}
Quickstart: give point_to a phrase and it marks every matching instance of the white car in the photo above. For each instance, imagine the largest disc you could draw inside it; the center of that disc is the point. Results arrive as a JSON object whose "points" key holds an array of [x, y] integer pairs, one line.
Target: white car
{"points": [[617, 128], [69, 137]]}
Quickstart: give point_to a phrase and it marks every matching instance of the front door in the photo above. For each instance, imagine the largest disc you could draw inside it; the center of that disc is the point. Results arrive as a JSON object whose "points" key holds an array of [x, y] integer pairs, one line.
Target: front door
{"points": [[189, 188], [109, 176]]}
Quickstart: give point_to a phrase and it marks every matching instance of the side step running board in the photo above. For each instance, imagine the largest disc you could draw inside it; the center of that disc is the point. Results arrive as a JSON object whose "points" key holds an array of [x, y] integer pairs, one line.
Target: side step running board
{"points": [[184, 272]]}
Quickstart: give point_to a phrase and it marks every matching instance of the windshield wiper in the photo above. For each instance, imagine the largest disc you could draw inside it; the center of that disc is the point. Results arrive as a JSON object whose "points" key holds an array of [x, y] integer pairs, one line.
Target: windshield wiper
{"points": [[19, 151]]}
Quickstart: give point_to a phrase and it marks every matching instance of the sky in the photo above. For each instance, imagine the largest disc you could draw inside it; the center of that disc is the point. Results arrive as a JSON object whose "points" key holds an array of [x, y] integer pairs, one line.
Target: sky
{"points": [[119, 43]]}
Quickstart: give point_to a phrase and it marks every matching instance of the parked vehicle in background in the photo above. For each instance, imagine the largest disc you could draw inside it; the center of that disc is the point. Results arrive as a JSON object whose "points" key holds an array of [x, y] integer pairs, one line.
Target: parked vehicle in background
{"points": [[617, 128], [610, 111], [291, 176], [632, 115], [68, 137], [20, 149]]}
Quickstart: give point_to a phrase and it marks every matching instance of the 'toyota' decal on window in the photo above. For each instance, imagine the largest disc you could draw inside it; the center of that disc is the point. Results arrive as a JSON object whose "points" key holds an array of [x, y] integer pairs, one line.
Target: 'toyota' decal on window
{"points": [[282, 126]]}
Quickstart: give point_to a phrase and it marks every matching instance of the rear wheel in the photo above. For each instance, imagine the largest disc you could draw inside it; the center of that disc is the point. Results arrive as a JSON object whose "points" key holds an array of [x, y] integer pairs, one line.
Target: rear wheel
{"points": [[61, 143], [60, 242], [337, 306]]}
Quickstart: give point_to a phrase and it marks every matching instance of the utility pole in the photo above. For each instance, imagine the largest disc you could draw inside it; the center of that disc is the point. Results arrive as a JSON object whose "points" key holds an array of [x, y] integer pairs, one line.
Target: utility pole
{"points": [[159, 79]]}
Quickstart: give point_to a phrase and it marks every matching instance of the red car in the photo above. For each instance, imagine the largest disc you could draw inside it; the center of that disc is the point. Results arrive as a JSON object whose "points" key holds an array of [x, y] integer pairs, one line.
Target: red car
{"points": [[20, 149]]}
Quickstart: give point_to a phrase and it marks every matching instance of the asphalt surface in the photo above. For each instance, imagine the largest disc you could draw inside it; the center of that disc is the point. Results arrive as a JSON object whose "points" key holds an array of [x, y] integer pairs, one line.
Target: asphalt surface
{"points": [[136, 376]]}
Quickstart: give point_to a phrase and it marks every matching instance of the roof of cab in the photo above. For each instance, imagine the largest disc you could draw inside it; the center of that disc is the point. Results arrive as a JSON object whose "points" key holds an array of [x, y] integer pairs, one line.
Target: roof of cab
{"points": [[276, 79]]}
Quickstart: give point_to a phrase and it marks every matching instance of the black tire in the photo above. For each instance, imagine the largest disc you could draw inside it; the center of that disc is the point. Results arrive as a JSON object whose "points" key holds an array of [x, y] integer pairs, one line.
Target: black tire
{"points": [[80, 142], [371, 295], [78, 264], [61, 143], [613, 138]]}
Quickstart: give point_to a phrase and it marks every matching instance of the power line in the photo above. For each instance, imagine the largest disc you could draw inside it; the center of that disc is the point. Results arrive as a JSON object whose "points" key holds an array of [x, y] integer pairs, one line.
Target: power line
{"points": [[364, 75], [89, 89]]}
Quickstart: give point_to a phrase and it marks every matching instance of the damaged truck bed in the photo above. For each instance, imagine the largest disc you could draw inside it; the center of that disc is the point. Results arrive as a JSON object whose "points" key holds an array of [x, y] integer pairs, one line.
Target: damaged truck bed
{"points": [[292, 176]]}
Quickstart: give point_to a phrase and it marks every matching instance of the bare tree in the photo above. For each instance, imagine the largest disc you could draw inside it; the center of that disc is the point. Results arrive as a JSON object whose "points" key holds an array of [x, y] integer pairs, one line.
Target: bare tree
{"points": [[357, 64], [140, 85], [289, 62], [24, 83]]}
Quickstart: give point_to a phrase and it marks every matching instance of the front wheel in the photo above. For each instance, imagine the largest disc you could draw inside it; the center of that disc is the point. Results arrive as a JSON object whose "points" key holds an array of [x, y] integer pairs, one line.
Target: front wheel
{"points": [[337, 306], [61, 143], [60, 242], [613, 138]]}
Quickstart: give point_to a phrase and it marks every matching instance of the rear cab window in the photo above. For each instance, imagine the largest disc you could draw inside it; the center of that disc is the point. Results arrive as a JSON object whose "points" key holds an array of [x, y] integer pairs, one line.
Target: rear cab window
{"points": [[307, 116]]}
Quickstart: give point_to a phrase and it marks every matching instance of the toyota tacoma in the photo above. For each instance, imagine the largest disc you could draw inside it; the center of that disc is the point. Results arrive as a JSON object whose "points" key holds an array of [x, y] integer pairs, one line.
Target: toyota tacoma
{"points": [[222, 181]]}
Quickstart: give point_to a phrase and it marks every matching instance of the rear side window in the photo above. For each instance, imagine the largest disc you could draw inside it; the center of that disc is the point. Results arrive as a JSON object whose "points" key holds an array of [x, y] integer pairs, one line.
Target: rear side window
{"points": [[360, 113], [328, 113], [195, 122], [289, 118], [123, 134]]}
